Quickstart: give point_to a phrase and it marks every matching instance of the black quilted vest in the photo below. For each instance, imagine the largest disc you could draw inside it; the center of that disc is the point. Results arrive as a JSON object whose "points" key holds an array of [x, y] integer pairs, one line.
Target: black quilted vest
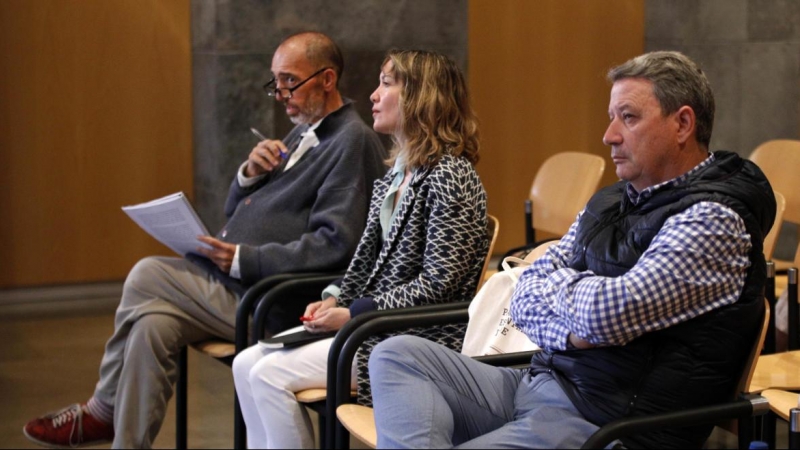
{"points": [[691, 364]]}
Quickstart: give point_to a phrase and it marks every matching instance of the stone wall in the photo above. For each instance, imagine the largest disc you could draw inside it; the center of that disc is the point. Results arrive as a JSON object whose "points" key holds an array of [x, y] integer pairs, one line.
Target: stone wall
{"points": [[232, 46], [750, 51]]}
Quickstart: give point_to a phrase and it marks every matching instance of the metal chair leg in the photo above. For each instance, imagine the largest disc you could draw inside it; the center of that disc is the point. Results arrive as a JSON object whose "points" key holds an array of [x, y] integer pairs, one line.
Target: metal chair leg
{"points": [[181, 407], [239, 430]]}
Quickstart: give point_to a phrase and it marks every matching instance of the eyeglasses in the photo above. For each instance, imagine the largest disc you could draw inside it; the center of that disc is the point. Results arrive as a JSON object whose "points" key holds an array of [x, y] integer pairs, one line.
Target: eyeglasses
{"points": [[286, 93]]}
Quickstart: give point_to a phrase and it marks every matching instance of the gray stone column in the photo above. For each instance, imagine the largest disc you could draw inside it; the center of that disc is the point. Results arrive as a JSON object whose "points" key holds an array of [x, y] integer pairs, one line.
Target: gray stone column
{"points": [[232, 45], [750, 51]]}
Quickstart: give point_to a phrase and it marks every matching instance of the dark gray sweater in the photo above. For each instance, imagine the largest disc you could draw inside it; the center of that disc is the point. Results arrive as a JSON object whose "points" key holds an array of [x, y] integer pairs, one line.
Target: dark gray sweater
{"points": [[311, 217]]}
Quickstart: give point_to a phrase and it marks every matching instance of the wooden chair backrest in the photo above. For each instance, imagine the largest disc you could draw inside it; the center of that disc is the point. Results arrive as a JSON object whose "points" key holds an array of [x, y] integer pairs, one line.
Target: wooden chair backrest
{"points": [[772, 237], [779, 160], [755, 352], [561, 188], [796, 262]]}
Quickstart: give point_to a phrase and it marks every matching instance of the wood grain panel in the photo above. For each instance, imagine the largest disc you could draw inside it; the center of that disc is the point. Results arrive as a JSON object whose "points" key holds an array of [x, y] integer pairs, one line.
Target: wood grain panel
{"points": [[95, 113], [537, 76]]}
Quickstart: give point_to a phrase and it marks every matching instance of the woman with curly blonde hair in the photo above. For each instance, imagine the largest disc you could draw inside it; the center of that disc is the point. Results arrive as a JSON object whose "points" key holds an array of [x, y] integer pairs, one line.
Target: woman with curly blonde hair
{"points": [[437, 100], [424, 243]]}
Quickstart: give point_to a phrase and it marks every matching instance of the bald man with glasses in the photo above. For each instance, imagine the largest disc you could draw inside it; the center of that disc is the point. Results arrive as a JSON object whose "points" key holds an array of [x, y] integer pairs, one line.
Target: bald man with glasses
{"points": [[297, 204]]}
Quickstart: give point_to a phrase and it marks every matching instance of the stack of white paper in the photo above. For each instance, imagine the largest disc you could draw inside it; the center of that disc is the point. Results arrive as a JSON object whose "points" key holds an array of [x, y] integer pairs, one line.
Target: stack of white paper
{"points": [[171, 220]]}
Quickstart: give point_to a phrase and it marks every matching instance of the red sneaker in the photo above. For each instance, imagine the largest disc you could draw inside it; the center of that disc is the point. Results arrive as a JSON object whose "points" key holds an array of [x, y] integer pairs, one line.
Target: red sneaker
{"points": [[73, 427]]}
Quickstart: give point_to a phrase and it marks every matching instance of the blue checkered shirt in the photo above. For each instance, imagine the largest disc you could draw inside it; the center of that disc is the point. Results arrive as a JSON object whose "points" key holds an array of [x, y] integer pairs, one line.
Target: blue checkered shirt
{"points": [[696, 263]]}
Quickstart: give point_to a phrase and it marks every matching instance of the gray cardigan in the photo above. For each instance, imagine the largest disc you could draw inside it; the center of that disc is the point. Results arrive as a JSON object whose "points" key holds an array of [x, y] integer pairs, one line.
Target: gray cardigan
{"points": [[310, 217]]}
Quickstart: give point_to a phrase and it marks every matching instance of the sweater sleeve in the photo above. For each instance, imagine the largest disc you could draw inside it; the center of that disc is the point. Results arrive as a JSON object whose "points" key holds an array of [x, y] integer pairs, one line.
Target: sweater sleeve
{"points": [[335, 221], [236, 192]]}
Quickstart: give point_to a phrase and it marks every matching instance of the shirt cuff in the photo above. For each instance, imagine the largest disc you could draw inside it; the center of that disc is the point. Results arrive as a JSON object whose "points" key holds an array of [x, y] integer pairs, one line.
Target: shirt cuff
{"points": [[245, 181], [558, 335], [331, 291], [235, 271], [361, 306]]}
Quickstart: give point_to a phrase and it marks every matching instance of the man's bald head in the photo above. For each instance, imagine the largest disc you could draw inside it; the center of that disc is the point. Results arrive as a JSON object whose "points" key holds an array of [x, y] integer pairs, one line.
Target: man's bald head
{"points": [[320, 50]]}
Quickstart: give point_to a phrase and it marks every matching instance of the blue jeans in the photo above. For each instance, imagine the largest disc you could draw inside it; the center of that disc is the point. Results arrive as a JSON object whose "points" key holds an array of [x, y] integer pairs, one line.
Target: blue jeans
{"points": [[427, 396]]}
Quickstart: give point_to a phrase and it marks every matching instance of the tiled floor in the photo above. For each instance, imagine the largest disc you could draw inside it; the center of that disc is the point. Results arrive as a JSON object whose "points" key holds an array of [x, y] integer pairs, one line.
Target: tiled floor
{"points": [[50, 359]]}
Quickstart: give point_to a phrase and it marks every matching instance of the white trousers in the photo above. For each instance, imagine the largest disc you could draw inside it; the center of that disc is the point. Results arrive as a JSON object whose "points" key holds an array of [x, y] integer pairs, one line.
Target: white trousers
{"points": [[266, 380]]}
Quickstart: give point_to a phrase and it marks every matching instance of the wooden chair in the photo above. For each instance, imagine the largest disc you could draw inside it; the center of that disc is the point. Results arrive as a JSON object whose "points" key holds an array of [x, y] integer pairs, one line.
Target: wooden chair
{"points": [[782, 370], [560, 189], [782, 279], [780, 404], [777, 285], [780, 401], [360, 422], [771, 239], [279, 295], [779, 372], [316, 399], [779, 160]]}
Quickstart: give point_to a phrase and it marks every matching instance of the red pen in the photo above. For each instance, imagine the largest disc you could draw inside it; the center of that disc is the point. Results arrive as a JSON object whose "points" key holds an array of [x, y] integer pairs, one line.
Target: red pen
{"points": [[306, 318]]}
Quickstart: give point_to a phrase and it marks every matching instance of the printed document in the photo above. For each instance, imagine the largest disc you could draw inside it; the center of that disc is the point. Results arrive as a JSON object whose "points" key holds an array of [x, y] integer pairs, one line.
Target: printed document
{"points": [[171, 220]]}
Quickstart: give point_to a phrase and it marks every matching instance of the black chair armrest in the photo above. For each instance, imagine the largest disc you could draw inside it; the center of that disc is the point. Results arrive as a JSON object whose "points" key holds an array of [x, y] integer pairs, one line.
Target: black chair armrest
{"points": [[508, 359], [282, 306], [358, 329], [269, 288], [247, 307], [747, 406]]}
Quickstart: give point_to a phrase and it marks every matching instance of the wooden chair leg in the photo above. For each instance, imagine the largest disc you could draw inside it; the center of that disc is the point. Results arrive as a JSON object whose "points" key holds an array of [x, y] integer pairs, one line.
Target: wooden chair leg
{"points": [[181, 390]]}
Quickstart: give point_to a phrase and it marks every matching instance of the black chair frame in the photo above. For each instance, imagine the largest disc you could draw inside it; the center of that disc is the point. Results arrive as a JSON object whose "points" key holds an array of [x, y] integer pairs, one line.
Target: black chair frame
{"points": [[750, 410], [282, 290], [353, 334]]}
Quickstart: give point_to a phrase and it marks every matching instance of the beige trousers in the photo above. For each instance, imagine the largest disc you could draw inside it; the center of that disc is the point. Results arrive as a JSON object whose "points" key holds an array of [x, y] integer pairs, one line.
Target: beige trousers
{"points": [[166, 304]]}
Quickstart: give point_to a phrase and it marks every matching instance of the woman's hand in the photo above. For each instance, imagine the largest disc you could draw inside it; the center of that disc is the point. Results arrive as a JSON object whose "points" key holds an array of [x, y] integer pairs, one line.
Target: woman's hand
{"points": [[325, 316], [317, 307]]}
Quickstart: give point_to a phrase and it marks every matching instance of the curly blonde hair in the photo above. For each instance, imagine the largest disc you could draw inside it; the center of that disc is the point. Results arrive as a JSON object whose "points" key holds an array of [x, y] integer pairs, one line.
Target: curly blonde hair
{"points": [[436, 116]]}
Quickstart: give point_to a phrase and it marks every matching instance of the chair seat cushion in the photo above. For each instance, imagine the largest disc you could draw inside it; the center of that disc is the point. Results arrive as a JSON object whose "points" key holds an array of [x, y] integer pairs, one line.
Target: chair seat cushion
{"points": [[216, 348], [360, 422]]}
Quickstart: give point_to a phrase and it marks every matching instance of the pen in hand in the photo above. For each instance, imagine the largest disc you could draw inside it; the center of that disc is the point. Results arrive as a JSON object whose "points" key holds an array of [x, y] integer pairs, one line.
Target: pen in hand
{"points": [[263, 138]]}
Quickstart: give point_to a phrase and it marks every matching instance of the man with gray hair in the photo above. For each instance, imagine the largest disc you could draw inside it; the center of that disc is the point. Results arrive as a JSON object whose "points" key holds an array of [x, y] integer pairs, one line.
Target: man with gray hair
{"points": [[650, 303], [297, 204]]}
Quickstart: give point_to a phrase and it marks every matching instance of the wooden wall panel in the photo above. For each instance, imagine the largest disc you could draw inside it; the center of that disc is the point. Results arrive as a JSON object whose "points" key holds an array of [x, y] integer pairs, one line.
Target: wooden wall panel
{"points": [[537, 76], [95, 113]]}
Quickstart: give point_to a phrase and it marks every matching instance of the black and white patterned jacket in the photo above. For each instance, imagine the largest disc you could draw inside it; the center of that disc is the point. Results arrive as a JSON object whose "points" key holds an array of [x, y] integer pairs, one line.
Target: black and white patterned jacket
{"points": [[434, 252]]}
